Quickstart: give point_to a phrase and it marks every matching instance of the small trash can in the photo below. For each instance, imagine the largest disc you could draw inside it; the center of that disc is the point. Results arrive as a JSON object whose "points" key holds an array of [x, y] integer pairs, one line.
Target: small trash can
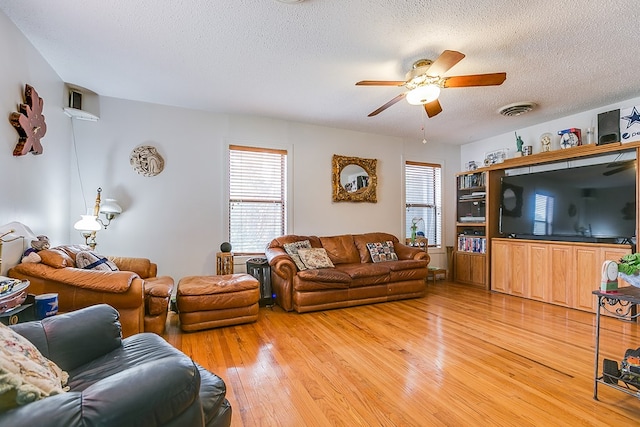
{"points": [[260, 269]]}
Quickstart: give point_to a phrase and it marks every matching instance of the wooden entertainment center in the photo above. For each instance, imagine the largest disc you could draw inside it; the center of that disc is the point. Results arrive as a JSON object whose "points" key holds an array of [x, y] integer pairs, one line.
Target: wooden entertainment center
{"points": [[557, 272]]}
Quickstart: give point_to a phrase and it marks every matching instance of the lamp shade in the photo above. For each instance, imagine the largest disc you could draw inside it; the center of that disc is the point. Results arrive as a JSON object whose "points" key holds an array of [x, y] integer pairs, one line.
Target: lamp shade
{"points": [[87, 223], [423, 94], [110, 206]]}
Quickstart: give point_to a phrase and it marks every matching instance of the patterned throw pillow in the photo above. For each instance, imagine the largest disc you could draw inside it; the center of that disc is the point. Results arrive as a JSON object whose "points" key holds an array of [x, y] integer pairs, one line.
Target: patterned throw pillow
{"points": [[315, 258], [25, 374], [92, 261], [382, 251], [292, 250]]}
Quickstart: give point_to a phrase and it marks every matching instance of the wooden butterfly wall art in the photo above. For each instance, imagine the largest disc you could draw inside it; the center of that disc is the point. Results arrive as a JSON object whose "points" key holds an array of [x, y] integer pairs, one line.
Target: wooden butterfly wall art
{"points": [[29, 123]]}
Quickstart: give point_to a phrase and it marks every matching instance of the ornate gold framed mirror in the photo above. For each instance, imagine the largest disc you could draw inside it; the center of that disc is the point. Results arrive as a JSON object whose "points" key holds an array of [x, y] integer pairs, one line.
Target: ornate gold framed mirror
{"points": [[354, 179]]}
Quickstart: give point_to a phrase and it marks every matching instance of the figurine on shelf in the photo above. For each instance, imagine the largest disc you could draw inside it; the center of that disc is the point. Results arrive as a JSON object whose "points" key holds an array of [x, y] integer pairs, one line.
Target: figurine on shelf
{"points": [[519, 144]]}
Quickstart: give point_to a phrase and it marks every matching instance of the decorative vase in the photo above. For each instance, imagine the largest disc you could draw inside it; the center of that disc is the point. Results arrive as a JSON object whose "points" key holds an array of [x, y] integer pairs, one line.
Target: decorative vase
{"points": [[632, 279]]}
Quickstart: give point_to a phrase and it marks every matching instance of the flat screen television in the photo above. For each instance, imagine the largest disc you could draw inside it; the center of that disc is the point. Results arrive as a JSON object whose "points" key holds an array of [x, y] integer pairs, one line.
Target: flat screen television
{"points": [[594, 203]]}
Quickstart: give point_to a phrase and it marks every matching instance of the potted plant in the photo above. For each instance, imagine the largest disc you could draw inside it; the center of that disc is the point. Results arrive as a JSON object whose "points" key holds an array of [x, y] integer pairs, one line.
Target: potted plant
{"points": [[629, 269]]}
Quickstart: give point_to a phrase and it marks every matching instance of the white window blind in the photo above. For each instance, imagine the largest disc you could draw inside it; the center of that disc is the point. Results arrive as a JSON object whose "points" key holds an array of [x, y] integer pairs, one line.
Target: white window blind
{"points": [[423, 199], [257, 197]]}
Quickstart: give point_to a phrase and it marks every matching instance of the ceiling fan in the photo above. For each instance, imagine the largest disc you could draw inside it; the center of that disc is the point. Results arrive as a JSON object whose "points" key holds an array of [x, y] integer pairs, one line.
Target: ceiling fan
{"points": [[425, 80]]}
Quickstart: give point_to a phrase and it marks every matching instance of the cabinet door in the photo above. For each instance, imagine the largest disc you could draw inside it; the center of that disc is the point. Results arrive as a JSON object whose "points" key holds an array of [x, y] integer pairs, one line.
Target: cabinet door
{"points": [[500, 272], [478, 269], [562, 267], [518, 266], [587, 272], [463, 268], [539, 271]]}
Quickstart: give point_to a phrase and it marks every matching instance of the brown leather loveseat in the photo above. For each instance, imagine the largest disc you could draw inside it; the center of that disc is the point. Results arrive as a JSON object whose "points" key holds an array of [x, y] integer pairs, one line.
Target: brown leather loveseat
{"points": [[141, 298], [354, 280]]}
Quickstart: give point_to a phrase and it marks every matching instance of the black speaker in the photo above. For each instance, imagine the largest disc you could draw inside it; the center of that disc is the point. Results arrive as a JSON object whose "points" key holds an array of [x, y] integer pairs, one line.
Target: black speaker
{"points": [[609, 127], [259, 268]]}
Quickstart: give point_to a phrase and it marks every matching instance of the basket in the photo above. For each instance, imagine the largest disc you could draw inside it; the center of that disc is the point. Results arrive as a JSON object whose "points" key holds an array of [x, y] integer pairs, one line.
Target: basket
{"points": [[632, 279]]}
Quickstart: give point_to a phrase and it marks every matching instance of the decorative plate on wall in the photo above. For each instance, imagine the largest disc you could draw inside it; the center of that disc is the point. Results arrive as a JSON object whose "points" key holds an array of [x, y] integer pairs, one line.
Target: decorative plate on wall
{"points": [[146, 160]]}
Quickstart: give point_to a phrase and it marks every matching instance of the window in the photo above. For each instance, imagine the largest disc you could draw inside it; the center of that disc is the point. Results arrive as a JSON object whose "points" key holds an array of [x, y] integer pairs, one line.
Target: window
{"points": [[423, 199], [543, 215], [257, 197]]}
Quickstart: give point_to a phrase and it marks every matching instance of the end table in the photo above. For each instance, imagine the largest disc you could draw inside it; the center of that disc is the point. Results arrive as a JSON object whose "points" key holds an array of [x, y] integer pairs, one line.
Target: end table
{"points": [[224, 263]]}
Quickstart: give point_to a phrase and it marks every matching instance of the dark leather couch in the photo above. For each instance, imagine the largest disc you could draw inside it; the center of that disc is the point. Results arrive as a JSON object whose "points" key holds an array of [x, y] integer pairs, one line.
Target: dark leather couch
{"points": [[355, 280], [140, 380]]}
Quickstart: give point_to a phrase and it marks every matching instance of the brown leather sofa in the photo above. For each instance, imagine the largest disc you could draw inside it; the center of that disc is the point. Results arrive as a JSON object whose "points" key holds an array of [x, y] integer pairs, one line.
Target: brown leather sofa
{"points": [[141, 298], [354, 280]]}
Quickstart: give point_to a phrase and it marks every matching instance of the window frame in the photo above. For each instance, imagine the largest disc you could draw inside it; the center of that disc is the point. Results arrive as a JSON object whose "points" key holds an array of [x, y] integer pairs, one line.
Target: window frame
{"points": [[285, 196], [437, 204]]}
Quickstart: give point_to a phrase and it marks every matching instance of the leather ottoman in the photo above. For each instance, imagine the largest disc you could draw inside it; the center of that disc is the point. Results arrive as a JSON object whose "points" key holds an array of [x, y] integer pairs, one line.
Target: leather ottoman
{"points": [[213, 301]]}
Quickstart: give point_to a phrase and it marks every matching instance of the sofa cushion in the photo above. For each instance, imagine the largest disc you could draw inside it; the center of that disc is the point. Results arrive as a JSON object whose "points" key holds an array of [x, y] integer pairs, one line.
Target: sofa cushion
{"points": [[341, 249], [56, 258], [89, 260], [407, 264], [382, 251], [103, 281], [322, 279], [315, 258], [25, 374], [292, 250], [366, 274], [279, 242], [143, 267]]}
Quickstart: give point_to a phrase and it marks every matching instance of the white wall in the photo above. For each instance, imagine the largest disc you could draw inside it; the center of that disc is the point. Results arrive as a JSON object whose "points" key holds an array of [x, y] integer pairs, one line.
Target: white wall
{"points": [[178, 218], [34, 189], [531, 135]]}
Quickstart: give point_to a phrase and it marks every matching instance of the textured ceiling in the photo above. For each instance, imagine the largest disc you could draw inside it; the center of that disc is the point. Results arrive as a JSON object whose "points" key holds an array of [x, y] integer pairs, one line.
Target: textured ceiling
{"points": [[301, 61]]}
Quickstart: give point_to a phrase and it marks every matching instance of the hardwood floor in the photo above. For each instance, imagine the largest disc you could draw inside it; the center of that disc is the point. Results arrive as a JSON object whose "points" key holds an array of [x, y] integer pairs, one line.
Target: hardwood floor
{"points": [[459, 356]]}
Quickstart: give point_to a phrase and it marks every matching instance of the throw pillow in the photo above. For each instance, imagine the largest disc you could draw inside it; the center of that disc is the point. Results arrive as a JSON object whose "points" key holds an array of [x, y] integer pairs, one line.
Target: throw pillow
{"points": [[92, 261], [382, 251], [292, 250], [315, 258], [25, 374], [56, 258]]}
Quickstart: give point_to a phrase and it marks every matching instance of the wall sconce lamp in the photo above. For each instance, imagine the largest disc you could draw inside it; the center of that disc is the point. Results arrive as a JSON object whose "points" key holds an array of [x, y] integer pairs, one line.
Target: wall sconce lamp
{"points": [[91, 223]]}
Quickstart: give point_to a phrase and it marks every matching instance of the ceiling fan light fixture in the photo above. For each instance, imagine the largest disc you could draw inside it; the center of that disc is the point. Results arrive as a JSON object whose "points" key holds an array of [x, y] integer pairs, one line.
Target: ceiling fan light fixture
{"points": [[423, 94]]}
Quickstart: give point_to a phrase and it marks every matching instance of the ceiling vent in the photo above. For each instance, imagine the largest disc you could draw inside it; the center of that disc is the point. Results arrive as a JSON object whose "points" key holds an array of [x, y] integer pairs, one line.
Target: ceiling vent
{"points": [[516, 109]]}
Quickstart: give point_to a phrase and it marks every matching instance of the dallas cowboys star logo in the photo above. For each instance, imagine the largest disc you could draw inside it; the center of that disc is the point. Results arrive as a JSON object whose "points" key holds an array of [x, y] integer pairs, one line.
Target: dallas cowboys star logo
{"points": [[632, 118]]}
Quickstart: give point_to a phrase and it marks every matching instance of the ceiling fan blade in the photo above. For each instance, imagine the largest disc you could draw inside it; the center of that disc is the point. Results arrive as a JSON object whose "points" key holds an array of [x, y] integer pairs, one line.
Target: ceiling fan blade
{"points": [[387, 105], [380, 83], [622, 166], [492, 79], [444, 62], [614, 171], [433, 108]]}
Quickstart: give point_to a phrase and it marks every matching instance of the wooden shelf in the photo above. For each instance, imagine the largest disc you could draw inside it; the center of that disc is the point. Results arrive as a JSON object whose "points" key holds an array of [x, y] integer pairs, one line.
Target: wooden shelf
{"points": [[589, 150]]}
